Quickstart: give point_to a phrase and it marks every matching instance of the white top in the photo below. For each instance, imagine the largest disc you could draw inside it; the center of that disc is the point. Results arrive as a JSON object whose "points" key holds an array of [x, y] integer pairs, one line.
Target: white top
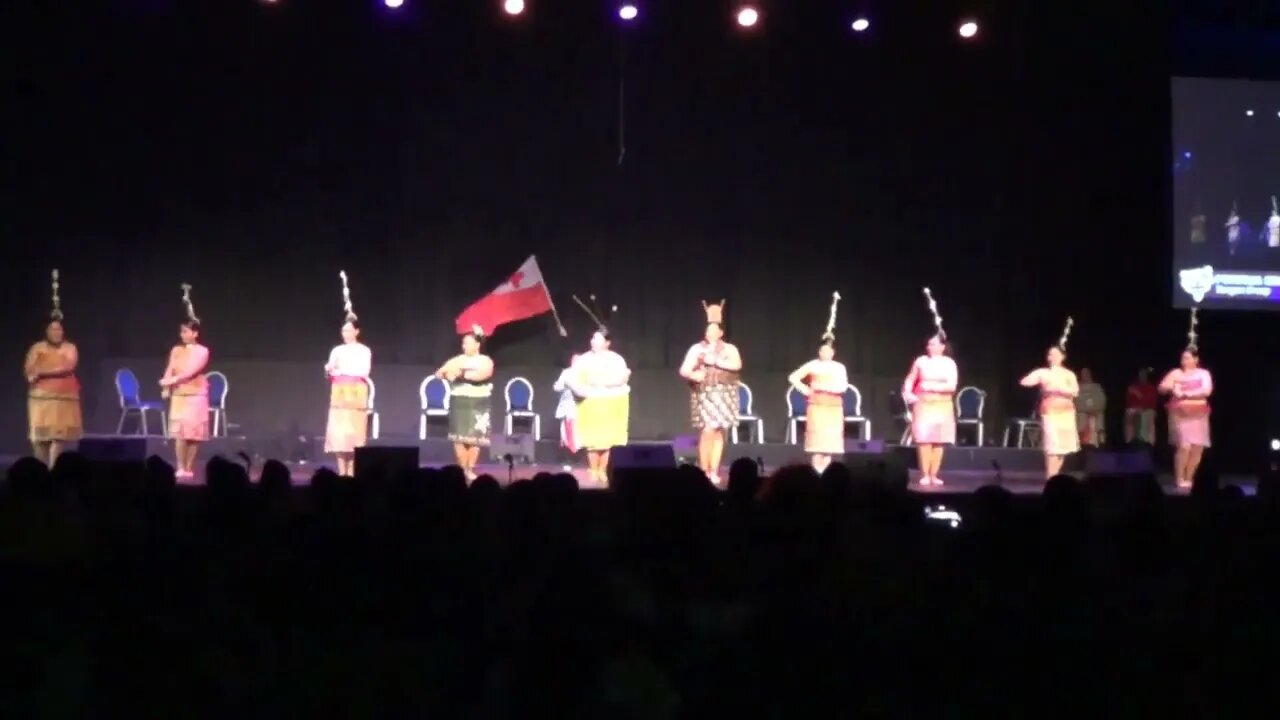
{"points": [[600, 374], [350, 360], [1273, 231]]}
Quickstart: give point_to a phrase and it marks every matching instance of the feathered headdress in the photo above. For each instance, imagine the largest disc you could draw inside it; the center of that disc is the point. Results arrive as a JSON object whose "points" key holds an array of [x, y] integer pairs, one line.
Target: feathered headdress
{"points": [[715, 312], [56, 313], [1192, 336], [829, 335], [1066, 333], [186, 300], [598, 315], [346, 299], [933, 310]]}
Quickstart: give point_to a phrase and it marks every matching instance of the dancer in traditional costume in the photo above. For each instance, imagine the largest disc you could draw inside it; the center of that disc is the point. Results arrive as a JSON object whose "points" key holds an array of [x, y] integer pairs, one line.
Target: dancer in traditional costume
{"points": [[348, 371], [712, 368], [53, 391], [1140, 402], [929, 392], [1189, 387], [566, 410], [1091, 407], [823, 381], [185, 386], [600, 381], [470, 378], [1233, 230], [1273, 225], [1058, 391]]}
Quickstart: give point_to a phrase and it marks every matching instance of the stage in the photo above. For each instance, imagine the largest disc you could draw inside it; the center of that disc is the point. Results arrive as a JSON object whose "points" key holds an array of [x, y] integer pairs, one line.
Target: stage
{"points": [[964, 469]]}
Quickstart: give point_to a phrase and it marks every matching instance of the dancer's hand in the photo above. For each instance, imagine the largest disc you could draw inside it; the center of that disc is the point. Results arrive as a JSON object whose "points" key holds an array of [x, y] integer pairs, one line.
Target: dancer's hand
{"points": [[698, 376]]}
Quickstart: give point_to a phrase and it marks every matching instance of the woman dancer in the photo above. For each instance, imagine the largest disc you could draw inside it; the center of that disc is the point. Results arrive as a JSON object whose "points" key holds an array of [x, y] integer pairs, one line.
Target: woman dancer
{"points": [[566, 410], [187, 390], [929, 392], [1140, 403], [1058, 391], [600, 382], [1091, 407], [712, 368], [1189, 386], [348, 372], [53, 391], [823, 381], [471, 391]]}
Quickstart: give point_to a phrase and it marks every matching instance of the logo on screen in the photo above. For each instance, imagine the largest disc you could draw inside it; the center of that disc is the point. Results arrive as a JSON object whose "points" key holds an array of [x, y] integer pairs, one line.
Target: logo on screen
{"points": [[1196, 282]]}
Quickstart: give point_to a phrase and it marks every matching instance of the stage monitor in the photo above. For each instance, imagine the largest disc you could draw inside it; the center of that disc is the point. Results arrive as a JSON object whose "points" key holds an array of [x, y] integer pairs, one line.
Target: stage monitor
{"points": [[1226, 186]]}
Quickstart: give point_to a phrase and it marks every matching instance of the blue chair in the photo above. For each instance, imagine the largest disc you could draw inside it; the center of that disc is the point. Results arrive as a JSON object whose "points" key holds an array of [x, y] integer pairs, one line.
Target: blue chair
{"points": [[519, 396], [131, 402], [746, 415], [1028, 429], [853, 411], [218, 388], [797, 406], [970, 402], [434, 394], [375, 429]]}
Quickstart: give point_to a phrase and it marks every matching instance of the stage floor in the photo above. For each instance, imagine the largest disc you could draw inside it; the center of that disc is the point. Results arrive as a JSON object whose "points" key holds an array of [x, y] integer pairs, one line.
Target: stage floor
{"points": [[964, 469]]}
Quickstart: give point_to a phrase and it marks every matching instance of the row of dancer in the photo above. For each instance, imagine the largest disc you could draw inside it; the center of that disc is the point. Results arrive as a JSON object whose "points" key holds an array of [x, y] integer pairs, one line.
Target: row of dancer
{"points": [[596, 391]]}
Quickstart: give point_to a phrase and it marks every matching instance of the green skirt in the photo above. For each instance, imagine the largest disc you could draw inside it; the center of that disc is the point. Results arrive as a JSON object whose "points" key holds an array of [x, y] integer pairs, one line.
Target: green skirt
{"points": [[469, 420]]}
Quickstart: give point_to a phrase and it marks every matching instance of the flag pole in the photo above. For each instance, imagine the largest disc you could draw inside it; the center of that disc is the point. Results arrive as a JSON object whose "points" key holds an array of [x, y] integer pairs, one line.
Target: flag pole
{"points": [[546, 291]]}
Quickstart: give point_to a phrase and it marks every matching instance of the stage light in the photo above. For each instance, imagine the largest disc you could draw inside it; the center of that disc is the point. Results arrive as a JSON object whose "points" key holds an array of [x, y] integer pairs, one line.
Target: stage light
{"points": [[513, 7], [748, 16], [1248, 113], [628, 12], [1187, 154], [968, 29], [1275, 444], [393, 4], [861, 24]]}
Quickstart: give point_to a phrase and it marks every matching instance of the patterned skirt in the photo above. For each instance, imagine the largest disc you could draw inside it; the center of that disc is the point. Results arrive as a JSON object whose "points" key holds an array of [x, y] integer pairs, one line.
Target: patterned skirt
{"points": [[54, 417], [189, 417], [469, 420], [1060, 435], [1189, 424], [601, 422], [348, 426], [714, 407], [824, 424], [933, 420]]}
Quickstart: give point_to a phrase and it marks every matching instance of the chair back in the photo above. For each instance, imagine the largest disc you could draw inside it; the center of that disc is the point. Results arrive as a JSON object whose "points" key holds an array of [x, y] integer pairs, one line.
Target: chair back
{"points": [[744, 399], [519, 395], [852, 401], [797, 403], [373, 390], [970, 402], [218, 387], [127, 388], [898, 405], [434, 393]]}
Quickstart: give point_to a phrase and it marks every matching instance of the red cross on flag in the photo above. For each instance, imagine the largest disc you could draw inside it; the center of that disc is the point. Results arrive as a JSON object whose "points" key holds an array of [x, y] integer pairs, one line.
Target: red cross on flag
{"points": [[523, 295]]}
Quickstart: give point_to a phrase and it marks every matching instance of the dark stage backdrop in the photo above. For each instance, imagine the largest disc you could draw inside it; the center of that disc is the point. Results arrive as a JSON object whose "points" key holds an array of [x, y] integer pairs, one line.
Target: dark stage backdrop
{"points": [[254, 151]]}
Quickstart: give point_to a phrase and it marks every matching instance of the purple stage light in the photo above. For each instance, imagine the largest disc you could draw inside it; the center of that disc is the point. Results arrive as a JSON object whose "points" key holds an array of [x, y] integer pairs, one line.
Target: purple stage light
{"points": [[628, 12], [860, 24], [513, 7], [393, 4]]}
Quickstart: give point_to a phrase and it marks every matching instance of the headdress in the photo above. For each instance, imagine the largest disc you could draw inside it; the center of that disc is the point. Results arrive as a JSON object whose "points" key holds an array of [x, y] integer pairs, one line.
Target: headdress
{"points": [[599, 316], [829, 335], [1066, 333], [1192, 335], [56, 313], [186, 300], [715, 312], [1275, 209], [346, 298], [933, 310], [478, 332]]}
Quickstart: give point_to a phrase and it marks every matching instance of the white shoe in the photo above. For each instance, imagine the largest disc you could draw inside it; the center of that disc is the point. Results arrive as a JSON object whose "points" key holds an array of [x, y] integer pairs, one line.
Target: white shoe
{"points": [[567, 468]]}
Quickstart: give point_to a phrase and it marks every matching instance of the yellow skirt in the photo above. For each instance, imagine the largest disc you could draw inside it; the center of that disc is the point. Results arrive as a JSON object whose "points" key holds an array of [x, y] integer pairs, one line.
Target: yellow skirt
{"points": [[189, 417], [54, 418], [348, 425], [824, 424], [601, 422], [1059, 432]]}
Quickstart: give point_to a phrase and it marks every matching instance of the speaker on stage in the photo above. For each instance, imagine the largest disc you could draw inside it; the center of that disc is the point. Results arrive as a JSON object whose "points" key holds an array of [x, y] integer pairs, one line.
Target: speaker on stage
{"points": [[871, 461], [113, 449], [643, 456], [1102, 463], [386, 461]]}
